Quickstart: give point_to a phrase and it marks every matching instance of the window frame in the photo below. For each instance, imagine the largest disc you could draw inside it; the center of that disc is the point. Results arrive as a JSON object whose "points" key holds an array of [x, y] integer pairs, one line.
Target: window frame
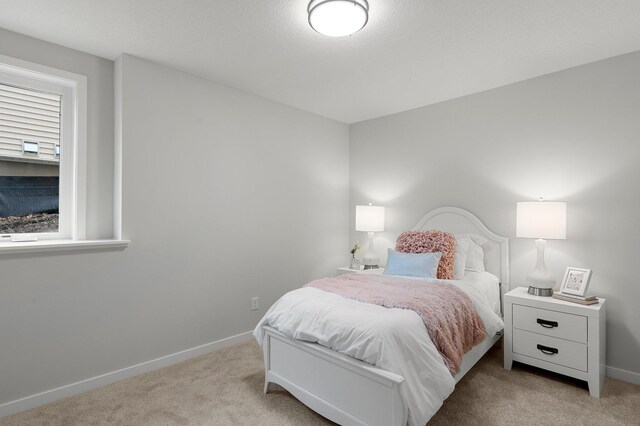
{"points": [[73, 136]]}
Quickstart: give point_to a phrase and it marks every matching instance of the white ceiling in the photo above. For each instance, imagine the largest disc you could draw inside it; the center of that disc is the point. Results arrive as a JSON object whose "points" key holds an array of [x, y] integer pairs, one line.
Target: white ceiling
{"points": [[411, 53]]}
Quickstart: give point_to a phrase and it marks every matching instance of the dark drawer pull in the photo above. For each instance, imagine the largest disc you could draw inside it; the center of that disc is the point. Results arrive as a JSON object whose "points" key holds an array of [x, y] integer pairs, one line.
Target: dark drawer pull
{"points": [[547, 324], [547, 350]]}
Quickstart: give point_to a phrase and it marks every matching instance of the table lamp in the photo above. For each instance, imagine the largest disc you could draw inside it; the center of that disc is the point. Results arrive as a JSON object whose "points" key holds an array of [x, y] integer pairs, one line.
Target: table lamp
{"points": [[542, 220], [370, 219]]}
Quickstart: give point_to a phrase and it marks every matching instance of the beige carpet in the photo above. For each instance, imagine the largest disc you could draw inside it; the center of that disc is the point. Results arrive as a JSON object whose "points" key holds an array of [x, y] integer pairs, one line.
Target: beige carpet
{"points": [[225, 388]]}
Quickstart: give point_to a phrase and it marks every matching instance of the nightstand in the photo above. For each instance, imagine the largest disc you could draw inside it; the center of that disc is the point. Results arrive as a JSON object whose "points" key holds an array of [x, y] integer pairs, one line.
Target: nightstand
{"points": [[347, 270], [563, 337]]}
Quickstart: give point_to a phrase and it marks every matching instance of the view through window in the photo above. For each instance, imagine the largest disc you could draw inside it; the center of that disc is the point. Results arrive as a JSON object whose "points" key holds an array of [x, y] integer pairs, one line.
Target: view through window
{"points": [[29, 160]]}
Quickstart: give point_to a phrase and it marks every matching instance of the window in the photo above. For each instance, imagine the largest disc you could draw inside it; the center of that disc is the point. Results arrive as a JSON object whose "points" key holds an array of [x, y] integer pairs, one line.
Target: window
{"points": [[29, 185], [41, 116]]}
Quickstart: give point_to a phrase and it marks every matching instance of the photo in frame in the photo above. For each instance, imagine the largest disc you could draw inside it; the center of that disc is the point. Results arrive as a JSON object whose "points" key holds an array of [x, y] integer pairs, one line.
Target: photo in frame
{"points": [[576, 281]]}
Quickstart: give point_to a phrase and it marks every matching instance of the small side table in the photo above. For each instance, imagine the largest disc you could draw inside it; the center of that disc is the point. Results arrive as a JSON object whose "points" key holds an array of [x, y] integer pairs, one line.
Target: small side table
{"points": [[347, 270], [563, 337]]}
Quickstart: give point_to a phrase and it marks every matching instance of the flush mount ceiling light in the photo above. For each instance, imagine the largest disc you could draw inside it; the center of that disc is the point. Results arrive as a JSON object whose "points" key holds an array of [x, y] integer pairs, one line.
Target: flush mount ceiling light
{"points": [[338, 18]]}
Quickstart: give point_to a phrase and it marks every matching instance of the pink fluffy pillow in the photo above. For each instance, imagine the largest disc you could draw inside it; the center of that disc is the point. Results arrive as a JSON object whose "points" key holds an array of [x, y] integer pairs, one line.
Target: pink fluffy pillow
{"points": [[431, 242]]}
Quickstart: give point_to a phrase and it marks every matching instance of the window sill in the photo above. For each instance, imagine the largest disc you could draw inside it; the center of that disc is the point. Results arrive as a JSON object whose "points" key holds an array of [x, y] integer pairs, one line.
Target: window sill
{"points": [[61, 245]]}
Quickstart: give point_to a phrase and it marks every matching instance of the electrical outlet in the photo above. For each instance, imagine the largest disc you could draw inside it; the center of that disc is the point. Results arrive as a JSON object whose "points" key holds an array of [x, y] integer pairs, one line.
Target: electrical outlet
{"points": [[255, 303]]}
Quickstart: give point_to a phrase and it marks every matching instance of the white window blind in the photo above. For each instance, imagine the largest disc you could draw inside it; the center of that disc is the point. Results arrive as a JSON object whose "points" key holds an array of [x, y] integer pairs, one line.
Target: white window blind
{"points": [[29, 116]]}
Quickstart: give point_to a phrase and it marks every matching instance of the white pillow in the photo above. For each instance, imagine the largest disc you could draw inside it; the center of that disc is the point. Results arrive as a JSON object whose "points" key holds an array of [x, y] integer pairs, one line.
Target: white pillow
{"points": [[459, 264], [470, 245]]}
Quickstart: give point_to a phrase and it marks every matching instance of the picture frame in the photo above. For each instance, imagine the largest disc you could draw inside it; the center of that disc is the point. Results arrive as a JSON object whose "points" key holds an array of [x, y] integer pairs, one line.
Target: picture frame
{"points": [[576, 281]]}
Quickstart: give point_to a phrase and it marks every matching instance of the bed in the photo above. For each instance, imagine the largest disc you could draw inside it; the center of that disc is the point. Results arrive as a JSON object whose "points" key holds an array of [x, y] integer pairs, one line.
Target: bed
{"points": [[349, 391]]}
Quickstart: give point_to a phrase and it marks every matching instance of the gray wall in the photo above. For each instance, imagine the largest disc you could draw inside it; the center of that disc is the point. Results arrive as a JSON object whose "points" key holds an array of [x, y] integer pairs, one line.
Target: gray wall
{"points": [[100, 107], [226, 196], [572, 135]]}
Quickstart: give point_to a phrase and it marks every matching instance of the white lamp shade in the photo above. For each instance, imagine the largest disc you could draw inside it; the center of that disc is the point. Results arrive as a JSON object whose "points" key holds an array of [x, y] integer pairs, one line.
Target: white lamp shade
{"points": [[370, 218], [338, 18], [541, 219]]}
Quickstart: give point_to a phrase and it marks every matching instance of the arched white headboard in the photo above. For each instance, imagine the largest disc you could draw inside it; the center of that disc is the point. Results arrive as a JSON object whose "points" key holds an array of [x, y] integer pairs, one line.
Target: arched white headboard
{"points": [[460, 221]]}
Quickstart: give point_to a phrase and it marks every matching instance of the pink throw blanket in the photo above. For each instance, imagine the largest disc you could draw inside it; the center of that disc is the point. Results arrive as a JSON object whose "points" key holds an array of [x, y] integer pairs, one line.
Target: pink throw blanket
{"points": [[453, 324]]}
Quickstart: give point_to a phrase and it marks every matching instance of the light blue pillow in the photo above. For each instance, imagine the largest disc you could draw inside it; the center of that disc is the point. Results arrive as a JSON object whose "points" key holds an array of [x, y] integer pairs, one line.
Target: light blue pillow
{"points": [[423, 265]]}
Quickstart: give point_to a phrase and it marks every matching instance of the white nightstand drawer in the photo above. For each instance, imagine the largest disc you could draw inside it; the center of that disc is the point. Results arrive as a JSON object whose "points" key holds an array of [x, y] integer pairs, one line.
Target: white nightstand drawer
{"points": [[550, 323], [550, 349]]}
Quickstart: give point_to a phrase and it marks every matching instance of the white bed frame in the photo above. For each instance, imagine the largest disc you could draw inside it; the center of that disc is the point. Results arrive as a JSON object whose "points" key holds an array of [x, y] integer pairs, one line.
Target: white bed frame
{"points": [[351, 392]]}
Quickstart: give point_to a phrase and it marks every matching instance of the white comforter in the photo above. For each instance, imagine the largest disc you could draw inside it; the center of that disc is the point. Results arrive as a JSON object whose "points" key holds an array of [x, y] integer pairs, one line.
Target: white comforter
{"points": [[395, 340]]}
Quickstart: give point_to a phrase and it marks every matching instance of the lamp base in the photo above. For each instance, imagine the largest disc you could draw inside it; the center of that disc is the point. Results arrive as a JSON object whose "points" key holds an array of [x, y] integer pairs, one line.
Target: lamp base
{"points": [[370, 260], [545, 292], [540, 281]]}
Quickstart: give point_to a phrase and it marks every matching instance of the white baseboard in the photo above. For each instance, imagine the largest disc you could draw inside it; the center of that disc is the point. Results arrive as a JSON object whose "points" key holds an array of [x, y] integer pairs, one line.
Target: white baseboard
{"points": [[624, 375], [32, 401]]}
